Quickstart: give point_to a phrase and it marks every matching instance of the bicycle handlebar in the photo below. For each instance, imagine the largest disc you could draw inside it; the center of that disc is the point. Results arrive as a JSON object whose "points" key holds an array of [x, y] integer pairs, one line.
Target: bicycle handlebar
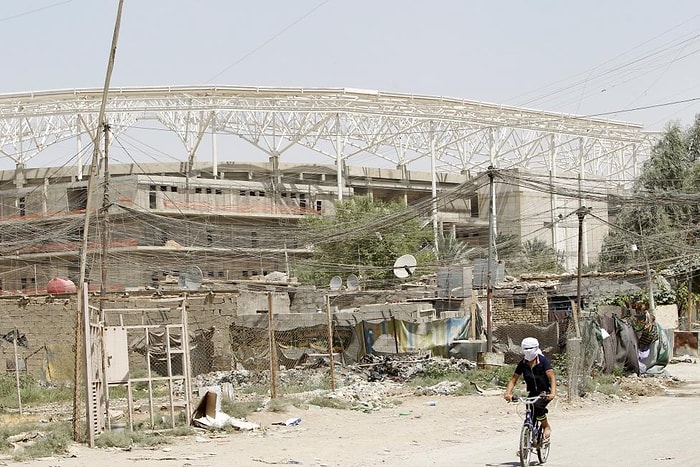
{"points": [[527, 400]]}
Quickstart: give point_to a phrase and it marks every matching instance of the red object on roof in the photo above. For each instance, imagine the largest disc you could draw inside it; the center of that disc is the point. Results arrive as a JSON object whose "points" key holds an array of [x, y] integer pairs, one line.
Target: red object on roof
{"points": [[60, 285]]}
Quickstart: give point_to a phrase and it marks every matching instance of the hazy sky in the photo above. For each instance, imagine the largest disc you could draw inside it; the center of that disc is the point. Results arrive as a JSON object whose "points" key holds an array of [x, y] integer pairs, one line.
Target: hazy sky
{"points": [[585, 57]]}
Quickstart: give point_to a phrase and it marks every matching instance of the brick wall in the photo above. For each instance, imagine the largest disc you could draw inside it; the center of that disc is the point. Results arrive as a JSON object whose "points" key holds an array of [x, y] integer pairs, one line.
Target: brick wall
{"points": [[520, 307], [48, 322]]}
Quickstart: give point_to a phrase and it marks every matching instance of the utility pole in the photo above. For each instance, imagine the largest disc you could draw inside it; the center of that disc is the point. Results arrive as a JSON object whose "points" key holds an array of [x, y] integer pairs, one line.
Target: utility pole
{"points": [[650, 283], [581, 214], [80, 377], [573, 345], [491, 259]]}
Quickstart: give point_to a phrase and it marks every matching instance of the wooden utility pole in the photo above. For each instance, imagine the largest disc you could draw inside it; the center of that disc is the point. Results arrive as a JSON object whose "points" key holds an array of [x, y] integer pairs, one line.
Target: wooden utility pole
{"points": [[330, 341], [80, 371], [274, 367], [19, 391]]}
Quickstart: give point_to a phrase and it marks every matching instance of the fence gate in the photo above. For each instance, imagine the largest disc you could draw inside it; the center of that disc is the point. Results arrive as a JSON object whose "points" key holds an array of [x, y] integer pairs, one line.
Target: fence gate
{"points": [[148, 347], [93, 370]]}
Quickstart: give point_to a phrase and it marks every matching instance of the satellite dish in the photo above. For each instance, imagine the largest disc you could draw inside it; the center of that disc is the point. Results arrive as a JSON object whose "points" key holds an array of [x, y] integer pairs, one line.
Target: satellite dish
{"points": [[336, 283], [404, 266], [353, 282], [191, 279]]}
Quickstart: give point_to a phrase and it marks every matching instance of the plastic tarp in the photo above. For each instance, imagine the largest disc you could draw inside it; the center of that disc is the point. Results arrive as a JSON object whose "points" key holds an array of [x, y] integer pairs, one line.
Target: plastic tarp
{"points": [[390, 336], [621, 348]]}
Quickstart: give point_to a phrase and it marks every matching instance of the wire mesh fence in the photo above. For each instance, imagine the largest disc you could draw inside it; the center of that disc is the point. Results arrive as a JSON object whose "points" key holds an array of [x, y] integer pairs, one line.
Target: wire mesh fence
{"points": [[267, 352]]}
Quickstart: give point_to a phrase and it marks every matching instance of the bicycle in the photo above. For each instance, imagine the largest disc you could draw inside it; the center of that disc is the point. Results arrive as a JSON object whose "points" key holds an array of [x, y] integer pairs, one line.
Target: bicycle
{"points": [[531, 434]]}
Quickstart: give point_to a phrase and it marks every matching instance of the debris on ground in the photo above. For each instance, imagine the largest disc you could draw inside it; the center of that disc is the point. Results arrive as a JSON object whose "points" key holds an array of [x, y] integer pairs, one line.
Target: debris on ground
{"points": [[208, 414]]}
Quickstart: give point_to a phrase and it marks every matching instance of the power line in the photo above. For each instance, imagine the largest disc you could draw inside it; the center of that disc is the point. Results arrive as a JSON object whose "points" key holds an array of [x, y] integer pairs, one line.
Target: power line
{"points": [[266, 42], [35, 10]]}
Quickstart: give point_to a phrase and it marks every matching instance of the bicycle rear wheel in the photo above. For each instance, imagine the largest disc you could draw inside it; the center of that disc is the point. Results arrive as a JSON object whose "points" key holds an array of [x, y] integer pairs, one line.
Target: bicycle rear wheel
{"points": [[542, 446], [525, 443]]}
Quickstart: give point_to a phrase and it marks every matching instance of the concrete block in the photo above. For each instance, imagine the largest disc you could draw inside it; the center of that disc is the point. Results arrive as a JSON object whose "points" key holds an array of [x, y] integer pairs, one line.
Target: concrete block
{"points": [[667, 316], [686, 343], [490, 360], [467, 349]]}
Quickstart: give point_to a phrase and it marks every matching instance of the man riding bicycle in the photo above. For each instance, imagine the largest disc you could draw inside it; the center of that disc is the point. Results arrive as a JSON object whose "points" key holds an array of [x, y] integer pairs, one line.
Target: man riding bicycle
{"points": [[539, 377]]}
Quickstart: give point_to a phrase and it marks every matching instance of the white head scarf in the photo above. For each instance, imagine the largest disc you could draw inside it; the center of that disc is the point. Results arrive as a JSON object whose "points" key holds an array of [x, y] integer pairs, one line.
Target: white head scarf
{"points": [[531, 348]]}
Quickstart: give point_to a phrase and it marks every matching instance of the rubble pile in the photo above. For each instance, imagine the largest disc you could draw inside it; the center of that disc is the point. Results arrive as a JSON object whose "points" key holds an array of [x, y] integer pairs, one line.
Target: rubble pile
{"points": [[367, 395], [240, 379], [376, 380], [443, 388], [367, 385], [403, 368]]}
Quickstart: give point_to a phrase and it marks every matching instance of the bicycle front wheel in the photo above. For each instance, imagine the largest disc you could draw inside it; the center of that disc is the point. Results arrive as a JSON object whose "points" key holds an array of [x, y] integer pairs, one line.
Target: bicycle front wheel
{"points": [[525, 444]]}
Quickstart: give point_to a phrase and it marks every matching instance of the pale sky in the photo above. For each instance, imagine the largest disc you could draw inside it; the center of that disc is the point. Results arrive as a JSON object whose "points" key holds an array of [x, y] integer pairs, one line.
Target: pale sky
{"points": [[587, 58]]}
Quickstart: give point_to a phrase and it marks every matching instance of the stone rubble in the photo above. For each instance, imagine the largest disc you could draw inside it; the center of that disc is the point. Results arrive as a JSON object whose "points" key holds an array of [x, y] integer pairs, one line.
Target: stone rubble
{"points": [[377, 380]]}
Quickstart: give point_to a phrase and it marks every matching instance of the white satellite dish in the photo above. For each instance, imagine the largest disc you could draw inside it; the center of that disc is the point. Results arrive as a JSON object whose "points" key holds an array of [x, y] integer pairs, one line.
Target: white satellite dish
{"points": [[336, 283], [191, 279], [404, 266], [353, 282]]}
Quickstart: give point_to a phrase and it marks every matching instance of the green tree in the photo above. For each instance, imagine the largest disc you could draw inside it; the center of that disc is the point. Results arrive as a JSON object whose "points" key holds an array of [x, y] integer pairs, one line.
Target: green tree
{"points": [[508, 247], [659, 222], [532, 256], [365, 237], [451, 251]]}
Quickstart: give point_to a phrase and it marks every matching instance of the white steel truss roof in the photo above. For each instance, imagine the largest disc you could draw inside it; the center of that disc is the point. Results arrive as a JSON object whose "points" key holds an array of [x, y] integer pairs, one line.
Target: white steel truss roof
{"points": [[403, 130]]}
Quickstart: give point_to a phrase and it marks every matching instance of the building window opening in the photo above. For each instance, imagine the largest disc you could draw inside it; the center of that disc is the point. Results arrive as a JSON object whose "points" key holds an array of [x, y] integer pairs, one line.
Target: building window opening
{"points": [[302, 200], [77, 199], [319, 205], [474, 205], [519, 301], [22, 206], [254, 239]]}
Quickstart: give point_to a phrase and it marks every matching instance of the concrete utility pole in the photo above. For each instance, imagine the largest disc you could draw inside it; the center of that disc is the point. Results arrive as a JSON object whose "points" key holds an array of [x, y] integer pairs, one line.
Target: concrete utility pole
{"points": [[573, 345], [491, 259], [581, 214]]}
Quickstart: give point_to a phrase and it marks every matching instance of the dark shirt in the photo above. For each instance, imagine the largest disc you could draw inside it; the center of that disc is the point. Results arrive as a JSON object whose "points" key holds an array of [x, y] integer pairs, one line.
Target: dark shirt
{"points": [[535, 378]]}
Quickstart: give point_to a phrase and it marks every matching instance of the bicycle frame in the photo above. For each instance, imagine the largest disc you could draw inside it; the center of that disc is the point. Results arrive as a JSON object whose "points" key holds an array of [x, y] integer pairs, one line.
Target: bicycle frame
{"points": [[531, 436]]}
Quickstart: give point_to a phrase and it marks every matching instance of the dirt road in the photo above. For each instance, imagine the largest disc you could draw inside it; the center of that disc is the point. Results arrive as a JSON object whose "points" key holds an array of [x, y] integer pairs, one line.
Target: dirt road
{"points": [[441, 431]]}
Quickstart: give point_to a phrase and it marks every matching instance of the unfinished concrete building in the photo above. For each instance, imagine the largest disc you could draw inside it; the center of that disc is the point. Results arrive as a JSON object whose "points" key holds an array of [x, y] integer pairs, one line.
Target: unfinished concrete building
{"points": [[241, 224], [237, 219]]}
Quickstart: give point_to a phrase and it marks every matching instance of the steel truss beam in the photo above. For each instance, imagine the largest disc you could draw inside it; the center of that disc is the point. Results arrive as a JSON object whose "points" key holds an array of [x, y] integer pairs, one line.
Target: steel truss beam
{"points": [[396, 129]]}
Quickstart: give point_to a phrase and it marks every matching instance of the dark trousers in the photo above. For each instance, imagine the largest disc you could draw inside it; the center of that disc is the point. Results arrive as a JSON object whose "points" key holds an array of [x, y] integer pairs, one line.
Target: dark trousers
{"points": [[540, 409]]}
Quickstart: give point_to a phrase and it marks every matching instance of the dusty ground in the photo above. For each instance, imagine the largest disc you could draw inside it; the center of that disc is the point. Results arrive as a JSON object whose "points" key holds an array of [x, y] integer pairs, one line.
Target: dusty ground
{"points": [[429, 430]]}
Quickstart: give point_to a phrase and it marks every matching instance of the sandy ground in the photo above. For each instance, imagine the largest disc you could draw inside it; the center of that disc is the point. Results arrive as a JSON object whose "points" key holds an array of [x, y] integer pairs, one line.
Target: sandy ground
{"points": [[438, 431]]}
